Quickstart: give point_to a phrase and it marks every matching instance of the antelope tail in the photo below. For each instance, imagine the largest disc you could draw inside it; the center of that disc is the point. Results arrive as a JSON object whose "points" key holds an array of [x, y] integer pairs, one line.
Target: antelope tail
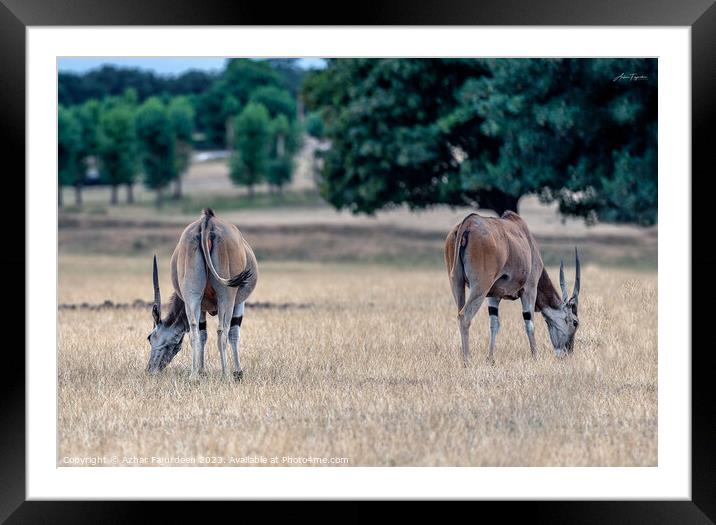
{"points": [[459, 246], [238, 280]]}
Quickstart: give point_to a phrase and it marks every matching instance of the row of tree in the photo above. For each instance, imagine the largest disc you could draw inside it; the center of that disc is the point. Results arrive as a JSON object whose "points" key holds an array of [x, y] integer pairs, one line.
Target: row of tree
{"points": [[249, 109], [125, 139], [155, 139], [484, 132]]}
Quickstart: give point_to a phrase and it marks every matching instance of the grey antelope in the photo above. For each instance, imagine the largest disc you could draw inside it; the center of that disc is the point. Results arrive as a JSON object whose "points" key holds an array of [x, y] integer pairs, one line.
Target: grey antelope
{"points": [[498, 258], [207, 248]]}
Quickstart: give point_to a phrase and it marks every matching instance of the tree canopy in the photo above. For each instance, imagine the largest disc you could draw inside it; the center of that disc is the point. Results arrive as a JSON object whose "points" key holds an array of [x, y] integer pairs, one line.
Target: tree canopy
{"points": [[75, 88], [488, 131]]}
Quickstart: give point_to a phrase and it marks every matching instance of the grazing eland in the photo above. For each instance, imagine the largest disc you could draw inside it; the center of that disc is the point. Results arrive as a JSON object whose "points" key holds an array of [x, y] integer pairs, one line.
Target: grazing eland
{"points": [[207, 248], [498, 258]]}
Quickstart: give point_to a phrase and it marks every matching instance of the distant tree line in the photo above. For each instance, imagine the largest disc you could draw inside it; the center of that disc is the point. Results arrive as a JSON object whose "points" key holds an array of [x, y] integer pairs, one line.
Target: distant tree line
{"points": [[133, 125], [108, 81], [485, 132]]}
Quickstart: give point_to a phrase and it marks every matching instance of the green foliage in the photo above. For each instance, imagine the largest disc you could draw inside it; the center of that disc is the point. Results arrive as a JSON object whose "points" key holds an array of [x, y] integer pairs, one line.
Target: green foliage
{"points": [[279, 171], [291, 76], [283, 144], [285, 136], [277, 101], [231, 92], [314, 125], [69, 146], [487, 131], [88, 115], [117, 145], [280, 126], [181, 115], [74, 88], [156, 143], [215, 98], [252, 142]]}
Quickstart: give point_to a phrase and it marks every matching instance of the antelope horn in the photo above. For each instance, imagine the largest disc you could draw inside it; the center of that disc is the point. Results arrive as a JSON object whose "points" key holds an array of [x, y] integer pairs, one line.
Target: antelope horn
{"points": [[562, 283], [157, 307], [575, 291]]}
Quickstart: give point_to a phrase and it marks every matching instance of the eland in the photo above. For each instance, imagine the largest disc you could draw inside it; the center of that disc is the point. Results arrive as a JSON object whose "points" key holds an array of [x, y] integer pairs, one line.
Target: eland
{"points": [[208, 248], [498, 258]]}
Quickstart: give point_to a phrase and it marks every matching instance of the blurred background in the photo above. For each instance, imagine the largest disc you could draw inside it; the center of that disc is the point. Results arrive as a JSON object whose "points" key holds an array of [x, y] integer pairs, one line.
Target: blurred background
{"points": [[358, 159]]}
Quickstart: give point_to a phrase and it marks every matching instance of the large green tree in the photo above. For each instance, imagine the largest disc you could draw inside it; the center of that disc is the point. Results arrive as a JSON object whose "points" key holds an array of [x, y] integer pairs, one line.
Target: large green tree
{"points": [[118, 148], [181, 114], [252, 142], [486, 132], [156, 142], [69, 146]]}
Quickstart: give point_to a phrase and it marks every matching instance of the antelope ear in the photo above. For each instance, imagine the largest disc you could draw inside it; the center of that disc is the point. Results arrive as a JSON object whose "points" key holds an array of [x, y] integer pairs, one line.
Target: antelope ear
{"points": [[562, 282], [156, 315]]}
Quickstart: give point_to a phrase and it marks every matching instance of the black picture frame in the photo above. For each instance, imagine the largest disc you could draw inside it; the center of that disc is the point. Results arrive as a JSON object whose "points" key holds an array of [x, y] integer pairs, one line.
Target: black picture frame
{"points": [[700, 15]]}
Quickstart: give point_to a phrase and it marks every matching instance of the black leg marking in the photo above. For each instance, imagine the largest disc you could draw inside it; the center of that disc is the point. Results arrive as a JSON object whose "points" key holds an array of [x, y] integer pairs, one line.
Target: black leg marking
{"points": [[202, 325], [237, 320], [492, 310], [526, 316]]}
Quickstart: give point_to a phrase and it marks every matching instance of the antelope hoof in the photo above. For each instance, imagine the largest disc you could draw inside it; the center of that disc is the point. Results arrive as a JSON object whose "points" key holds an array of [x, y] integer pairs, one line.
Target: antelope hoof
{"points": [[238, 376], [490, 360]]}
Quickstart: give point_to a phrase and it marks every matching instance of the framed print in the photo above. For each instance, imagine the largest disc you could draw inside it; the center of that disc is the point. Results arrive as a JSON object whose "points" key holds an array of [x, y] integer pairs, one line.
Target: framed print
{"points": [[414, 257]]}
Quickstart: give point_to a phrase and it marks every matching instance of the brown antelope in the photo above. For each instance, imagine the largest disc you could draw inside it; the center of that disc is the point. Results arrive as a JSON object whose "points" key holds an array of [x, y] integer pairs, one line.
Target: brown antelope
{"points": [[207, 248], [498, 258]]}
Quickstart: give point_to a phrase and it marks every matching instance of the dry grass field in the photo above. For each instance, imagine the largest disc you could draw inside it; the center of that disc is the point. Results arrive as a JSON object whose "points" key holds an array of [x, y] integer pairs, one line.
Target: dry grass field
{"points": [[368, 369], [350, 344]]}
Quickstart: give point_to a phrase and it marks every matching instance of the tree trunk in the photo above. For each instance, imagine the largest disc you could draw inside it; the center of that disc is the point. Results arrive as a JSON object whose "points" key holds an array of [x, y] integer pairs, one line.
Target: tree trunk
{"points": [[177, 188], [130, 194], [229, 132], [251, 191], [113, 196], [59, 197], [497, 201], [78, 194], [159, 200]]}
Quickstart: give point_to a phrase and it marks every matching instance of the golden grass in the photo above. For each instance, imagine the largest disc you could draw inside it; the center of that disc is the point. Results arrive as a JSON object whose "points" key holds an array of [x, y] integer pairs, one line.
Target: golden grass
{"points": [[371, 372]]}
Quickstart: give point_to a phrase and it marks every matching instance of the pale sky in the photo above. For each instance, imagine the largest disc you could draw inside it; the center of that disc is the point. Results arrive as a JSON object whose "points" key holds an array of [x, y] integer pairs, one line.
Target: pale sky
{"points": [[161, 65]]}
